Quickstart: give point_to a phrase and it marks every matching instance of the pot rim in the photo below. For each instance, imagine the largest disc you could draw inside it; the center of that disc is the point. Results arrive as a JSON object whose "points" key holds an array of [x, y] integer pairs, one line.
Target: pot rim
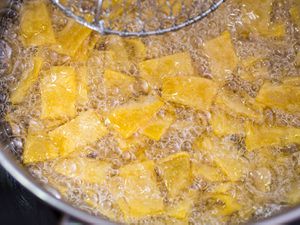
{"points": [[17, 170], [10, 163]]}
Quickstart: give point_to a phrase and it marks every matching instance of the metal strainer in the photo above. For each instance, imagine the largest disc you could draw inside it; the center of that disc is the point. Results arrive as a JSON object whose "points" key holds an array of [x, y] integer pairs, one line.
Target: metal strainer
{"points": [[137, 17]]}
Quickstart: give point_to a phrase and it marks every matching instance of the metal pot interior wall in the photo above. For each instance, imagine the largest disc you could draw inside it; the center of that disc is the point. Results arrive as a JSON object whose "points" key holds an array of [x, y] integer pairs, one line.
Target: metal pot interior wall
{"points": [[10, 151]]}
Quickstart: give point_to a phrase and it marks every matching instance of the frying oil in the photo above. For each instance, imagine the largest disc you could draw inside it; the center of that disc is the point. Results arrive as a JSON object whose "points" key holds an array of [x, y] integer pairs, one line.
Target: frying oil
{"points": [[278, 59]]}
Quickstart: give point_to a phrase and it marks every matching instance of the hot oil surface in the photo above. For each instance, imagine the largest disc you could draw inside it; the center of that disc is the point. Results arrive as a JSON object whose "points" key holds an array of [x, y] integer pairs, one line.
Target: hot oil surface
{"points": [[261, 192]]}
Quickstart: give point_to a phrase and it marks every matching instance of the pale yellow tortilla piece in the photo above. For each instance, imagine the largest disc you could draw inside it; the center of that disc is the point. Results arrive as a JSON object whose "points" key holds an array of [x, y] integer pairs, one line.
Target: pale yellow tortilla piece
{"points": [[38, 146], [132, 143], [176, 173], [259, 136], [224, 124], [226, 158], [234, 104], [295, 13], [222, 56], [85, 129], [154, 70], [35, 25], [128, 118], [71, 38], [116, 80], [89, 170], [230, 206], [256, 16], [136, 49], [181, 209], [285, 97], [59, 93], [157, 127], [194, 92], [86, 48], [207, 172], [29, 77], [138, 195]]}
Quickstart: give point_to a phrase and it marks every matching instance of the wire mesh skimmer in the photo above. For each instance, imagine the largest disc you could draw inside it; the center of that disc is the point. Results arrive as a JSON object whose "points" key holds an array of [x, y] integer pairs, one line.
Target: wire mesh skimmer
{"points": [[137, 17]]}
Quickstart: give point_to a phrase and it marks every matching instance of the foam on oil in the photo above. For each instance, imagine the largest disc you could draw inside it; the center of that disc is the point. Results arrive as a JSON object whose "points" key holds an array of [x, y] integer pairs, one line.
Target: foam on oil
{"points": [[278, 57]]}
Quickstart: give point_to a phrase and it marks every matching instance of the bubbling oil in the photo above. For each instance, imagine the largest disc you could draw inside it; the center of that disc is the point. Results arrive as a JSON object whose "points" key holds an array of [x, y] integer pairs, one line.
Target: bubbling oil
{"points": [[279, 56]]}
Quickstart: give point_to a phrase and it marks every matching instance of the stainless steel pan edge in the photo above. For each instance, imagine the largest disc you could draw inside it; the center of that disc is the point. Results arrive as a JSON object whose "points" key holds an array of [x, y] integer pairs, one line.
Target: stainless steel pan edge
{"points": [[13, 167], [10, 163]]}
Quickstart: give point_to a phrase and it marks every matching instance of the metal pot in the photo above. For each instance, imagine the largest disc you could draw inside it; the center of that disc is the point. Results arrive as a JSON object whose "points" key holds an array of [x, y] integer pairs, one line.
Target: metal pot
{"points": [[10, 162]]}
